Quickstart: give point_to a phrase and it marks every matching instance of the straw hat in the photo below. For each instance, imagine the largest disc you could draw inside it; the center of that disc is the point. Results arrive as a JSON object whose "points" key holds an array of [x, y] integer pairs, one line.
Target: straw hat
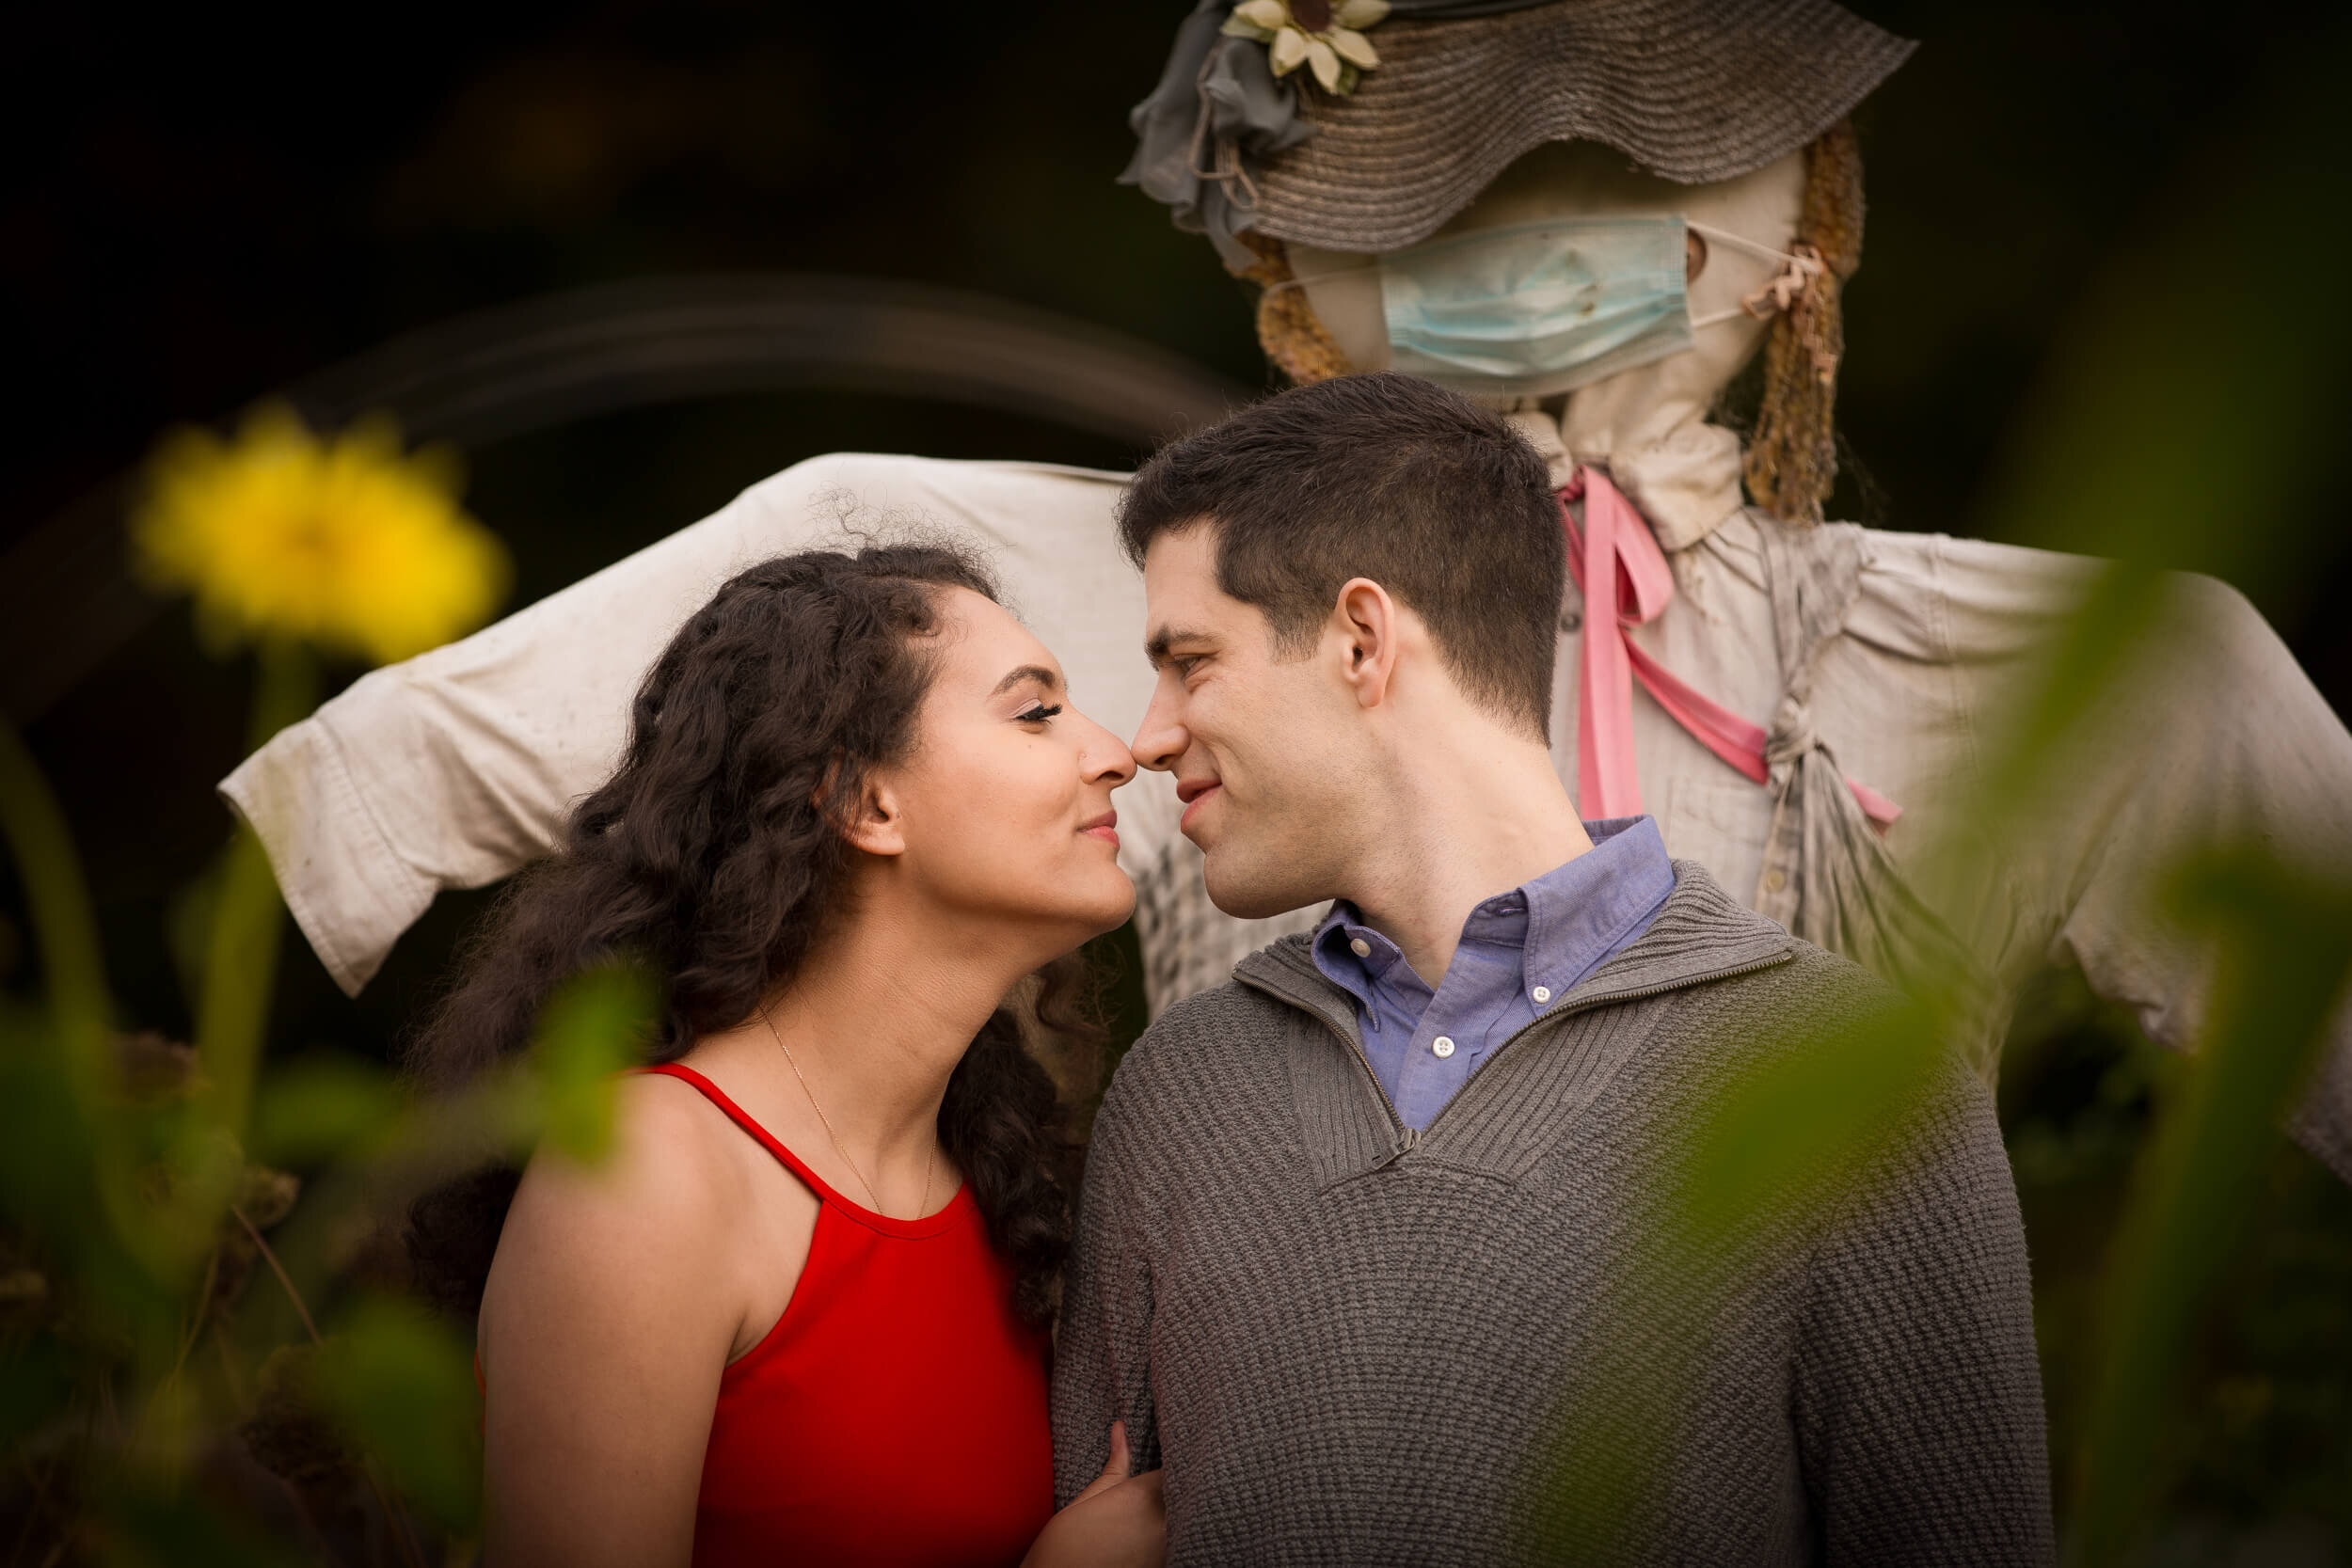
{"points": [[1692, 90]]}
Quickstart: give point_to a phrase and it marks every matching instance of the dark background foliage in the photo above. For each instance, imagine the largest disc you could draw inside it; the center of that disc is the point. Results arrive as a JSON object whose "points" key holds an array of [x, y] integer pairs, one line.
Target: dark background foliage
{"points": [[203, 205]]}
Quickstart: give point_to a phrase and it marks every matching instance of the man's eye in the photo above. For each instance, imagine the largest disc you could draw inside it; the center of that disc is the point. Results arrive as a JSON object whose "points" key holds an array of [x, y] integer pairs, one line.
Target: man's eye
{"points": [[1037, 715]]}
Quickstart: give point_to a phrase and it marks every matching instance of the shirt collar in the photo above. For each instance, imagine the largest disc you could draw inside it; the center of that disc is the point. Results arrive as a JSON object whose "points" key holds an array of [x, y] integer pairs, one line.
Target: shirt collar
{"points": [[1563, 922], [1579, 913], [1355, 957]]}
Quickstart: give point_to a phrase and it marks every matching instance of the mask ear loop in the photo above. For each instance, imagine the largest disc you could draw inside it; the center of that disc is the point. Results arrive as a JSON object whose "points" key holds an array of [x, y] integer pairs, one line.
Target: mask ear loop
{"points": [[1801, 265]]}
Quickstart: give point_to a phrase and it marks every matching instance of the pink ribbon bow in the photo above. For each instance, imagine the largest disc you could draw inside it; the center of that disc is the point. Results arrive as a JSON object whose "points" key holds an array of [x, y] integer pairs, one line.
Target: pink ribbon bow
{"points": [[1615, 547]]}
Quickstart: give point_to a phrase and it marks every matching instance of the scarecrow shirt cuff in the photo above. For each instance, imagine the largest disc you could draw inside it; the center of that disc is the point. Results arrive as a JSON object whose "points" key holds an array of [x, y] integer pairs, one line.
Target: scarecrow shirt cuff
{"points": [[345, 882]]}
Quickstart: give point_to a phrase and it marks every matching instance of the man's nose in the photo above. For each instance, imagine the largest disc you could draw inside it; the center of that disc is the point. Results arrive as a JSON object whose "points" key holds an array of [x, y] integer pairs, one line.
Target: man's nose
{"points": [[1161, 738]]}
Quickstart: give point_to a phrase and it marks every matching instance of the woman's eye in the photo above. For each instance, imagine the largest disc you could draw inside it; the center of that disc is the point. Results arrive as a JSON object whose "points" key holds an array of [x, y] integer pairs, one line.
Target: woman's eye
{"points": [[1037, 715]]}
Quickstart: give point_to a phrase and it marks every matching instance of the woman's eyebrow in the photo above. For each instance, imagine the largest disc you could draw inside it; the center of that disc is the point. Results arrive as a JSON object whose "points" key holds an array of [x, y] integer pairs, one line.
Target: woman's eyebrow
{"points": [[1037, 672]]}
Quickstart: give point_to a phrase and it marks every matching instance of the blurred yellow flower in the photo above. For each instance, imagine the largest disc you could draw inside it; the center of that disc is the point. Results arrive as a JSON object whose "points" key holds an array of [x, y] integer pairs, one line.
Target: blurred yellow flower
{"points": [[345, 544]]}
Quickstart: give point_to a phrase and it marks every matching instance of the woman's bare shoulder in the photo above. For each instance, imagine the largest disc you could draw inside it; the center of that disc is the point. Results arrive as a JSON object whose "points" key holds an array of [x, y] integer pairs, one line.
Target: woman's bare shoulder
{"points": [[613, 1303], [652, 1218], [673, 1157]]}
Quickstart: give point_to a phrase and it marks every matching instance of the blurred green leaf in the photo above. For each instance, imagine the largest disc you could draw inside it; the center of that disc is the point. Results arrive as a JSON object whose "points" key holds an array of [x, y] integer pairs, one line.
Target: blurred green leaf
{"points": [[179, 1530], [589, 1030], [384, 1145], [320, 1109], [402, 1381], [1791, 1135], [189, 928], [35, 830], [2285, 945], [1762, 1156], [35, 1381], [68, 1189], [2189, 403], [2187, 420], [46, 1142]]}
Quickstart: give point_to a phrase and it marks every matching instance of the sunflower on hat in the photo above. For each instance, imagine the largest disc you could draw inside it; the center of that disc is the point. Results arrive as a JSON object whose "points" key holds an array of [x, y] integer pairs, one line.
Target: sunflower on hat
{"points": [[1326, 36]]}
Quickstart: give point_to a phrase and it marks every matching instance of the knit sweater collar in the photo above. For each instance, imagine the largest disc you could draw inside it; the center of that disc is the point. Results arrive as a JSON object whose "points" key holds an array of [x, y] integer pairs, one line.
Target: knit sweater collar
{"points": [[1514, 1108]]}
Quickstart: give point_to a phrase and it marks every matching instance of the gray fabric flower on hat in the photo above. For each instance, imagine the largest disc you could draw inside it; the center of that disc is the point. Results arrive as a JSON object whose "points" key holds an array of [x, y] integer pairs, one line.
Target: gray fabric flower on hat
{"points": [[1324, 37], [1224, 105]]}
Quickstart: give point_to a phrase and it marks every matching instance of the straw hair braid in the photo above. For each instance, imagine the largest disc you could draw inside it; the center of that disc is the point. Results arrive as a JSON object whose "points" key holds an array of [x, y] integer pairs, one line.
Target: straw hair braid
{"points": [[1792, 459], [1288, 329]]}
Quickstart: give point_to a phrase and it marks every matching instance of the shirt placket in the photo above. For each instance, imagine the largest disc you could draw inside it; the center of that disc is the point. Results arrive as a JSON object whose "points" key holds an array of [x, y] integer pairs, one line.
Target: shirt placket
{"points": [[1454, 1030]]}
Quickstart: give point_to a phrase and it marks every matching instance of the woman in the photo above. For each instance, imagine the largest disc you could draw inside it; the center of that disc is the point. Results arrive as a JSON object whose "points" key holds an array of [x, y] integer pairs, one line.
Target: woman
{"points": [[801, 1313]]}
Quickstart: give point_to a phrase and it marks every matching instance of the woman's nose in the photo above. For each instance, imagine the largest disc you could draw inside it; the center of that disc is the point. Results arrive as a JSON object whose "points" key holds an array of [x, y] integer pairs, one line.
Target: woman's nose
{"points": [[1113, 762], [1106, 757]]}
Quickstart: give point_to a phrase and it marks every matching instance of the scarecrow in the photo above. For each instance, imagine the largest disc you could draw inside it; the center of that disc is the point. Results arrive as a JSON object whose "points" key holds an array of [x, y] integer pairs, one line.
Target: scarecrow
{"points": [[1592, 214]]}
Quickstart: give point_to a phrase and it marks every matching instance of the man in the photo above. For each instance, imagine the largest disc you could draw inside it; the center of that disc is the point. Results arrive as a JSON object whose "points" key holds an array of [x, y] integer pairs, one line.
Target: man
{"points": [[1356, 1224]]}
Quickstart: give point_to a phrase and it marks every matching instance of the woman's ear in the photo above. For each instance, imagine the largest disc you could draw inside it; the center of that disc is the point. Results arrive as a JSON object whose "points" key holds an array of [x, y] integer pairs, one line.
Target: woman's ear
{"points": [[876, 825], [873, 824]]}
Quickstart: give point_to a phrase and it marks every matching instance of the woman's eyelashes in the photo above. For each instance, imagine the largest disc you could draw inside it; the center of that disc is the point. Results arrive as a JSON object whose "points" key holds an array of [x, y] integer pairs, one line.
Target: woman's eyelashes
{"points": [[1037, 713]]}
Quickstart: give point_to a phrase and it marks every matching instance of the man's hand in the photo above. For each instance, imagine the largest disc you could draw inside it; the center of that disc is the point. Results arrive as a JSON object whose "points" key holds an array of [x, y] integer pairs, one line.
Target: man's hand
{"points": [[1119, 1521]]}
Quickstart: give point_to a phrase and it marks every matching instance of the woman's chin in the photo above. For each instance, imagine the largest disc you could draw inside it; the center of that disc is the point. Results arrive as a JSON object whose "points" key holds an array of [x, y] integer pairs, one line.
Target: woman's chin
{"points": [[1103, 904], [1121, 905], [1067, 913]]}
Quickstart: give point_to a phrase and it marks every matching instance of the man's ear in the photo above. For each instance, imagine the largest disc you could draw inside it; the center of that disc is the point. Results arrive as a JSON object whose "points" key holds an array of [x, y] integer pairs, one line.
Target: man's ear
{"points": [[1366, 622], [875, 823]]}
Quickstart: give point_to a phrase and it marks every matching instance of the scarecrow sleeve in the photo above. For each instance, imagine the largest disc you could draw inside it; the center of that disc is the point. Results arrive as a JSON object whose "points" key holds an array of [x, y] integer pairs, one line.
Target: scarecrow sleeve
{"points": [[2211, 740], [455, 767]]}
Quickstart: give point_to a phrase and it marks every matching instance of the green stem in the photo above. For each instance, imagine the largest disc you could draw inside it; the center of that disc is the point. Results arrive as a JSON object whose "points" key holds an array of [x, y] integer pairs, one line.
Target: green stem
{"points": [[248, 923], [63, 926], [73, 967]]}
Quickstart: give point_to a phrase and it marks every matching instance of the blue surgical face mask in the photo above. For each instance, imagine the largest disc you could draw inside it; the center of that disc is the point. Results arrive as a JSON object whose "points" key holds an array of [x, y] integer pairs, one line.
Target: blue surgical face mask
{"points": [[1543, 308]]}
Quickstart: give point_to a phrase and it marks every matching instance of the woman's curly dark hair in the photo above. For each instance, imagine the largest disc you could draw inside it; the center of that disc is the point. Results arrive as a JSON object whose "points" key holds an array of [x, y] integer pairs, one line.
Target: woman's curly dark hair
{"points": [[708, 859]]}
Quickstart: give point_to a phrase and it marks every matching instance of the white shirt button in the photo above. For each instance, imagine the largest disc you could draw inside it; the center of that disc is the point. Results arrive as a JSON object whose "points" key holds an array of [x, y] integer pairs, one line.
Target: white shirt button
{"points": [[1441, 1047], [1362, 948], [1541, 993]]}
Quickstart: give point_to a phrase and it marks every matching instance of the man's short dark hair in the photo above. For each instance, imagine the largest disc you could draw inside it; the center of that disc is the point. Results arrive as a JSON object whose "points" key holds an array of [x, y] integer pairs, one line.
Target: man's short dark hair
{"points": [[1386, 476]]}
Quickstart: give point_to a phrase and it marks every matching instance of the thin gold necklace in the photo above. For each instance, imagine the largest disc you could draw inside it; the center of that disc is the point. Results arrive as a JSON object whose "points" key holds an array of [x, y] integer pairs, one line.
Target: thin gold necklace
{"points": [[925, 1206]]}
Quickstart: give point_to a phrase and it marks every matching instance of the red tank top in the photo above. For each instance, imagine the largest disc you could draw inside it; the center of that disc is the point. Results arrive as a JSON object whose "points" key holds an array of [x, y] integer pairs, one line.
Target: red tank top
{"points": [[895, 1415]]}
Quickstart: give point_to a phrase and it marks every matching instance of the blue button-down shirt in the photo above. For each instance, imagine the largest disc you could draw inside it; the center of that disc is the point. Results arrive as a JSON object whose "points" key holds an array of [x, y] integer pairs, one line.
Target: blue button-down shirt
{"points": [[1521, 953]]}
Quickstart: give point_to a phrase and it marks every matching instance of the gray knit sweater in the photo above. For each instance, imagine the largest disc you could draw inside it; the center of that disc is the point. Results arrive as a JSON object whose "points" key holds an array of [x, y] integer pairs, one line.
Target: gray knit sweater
{"points": [[1348, 1344]]}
